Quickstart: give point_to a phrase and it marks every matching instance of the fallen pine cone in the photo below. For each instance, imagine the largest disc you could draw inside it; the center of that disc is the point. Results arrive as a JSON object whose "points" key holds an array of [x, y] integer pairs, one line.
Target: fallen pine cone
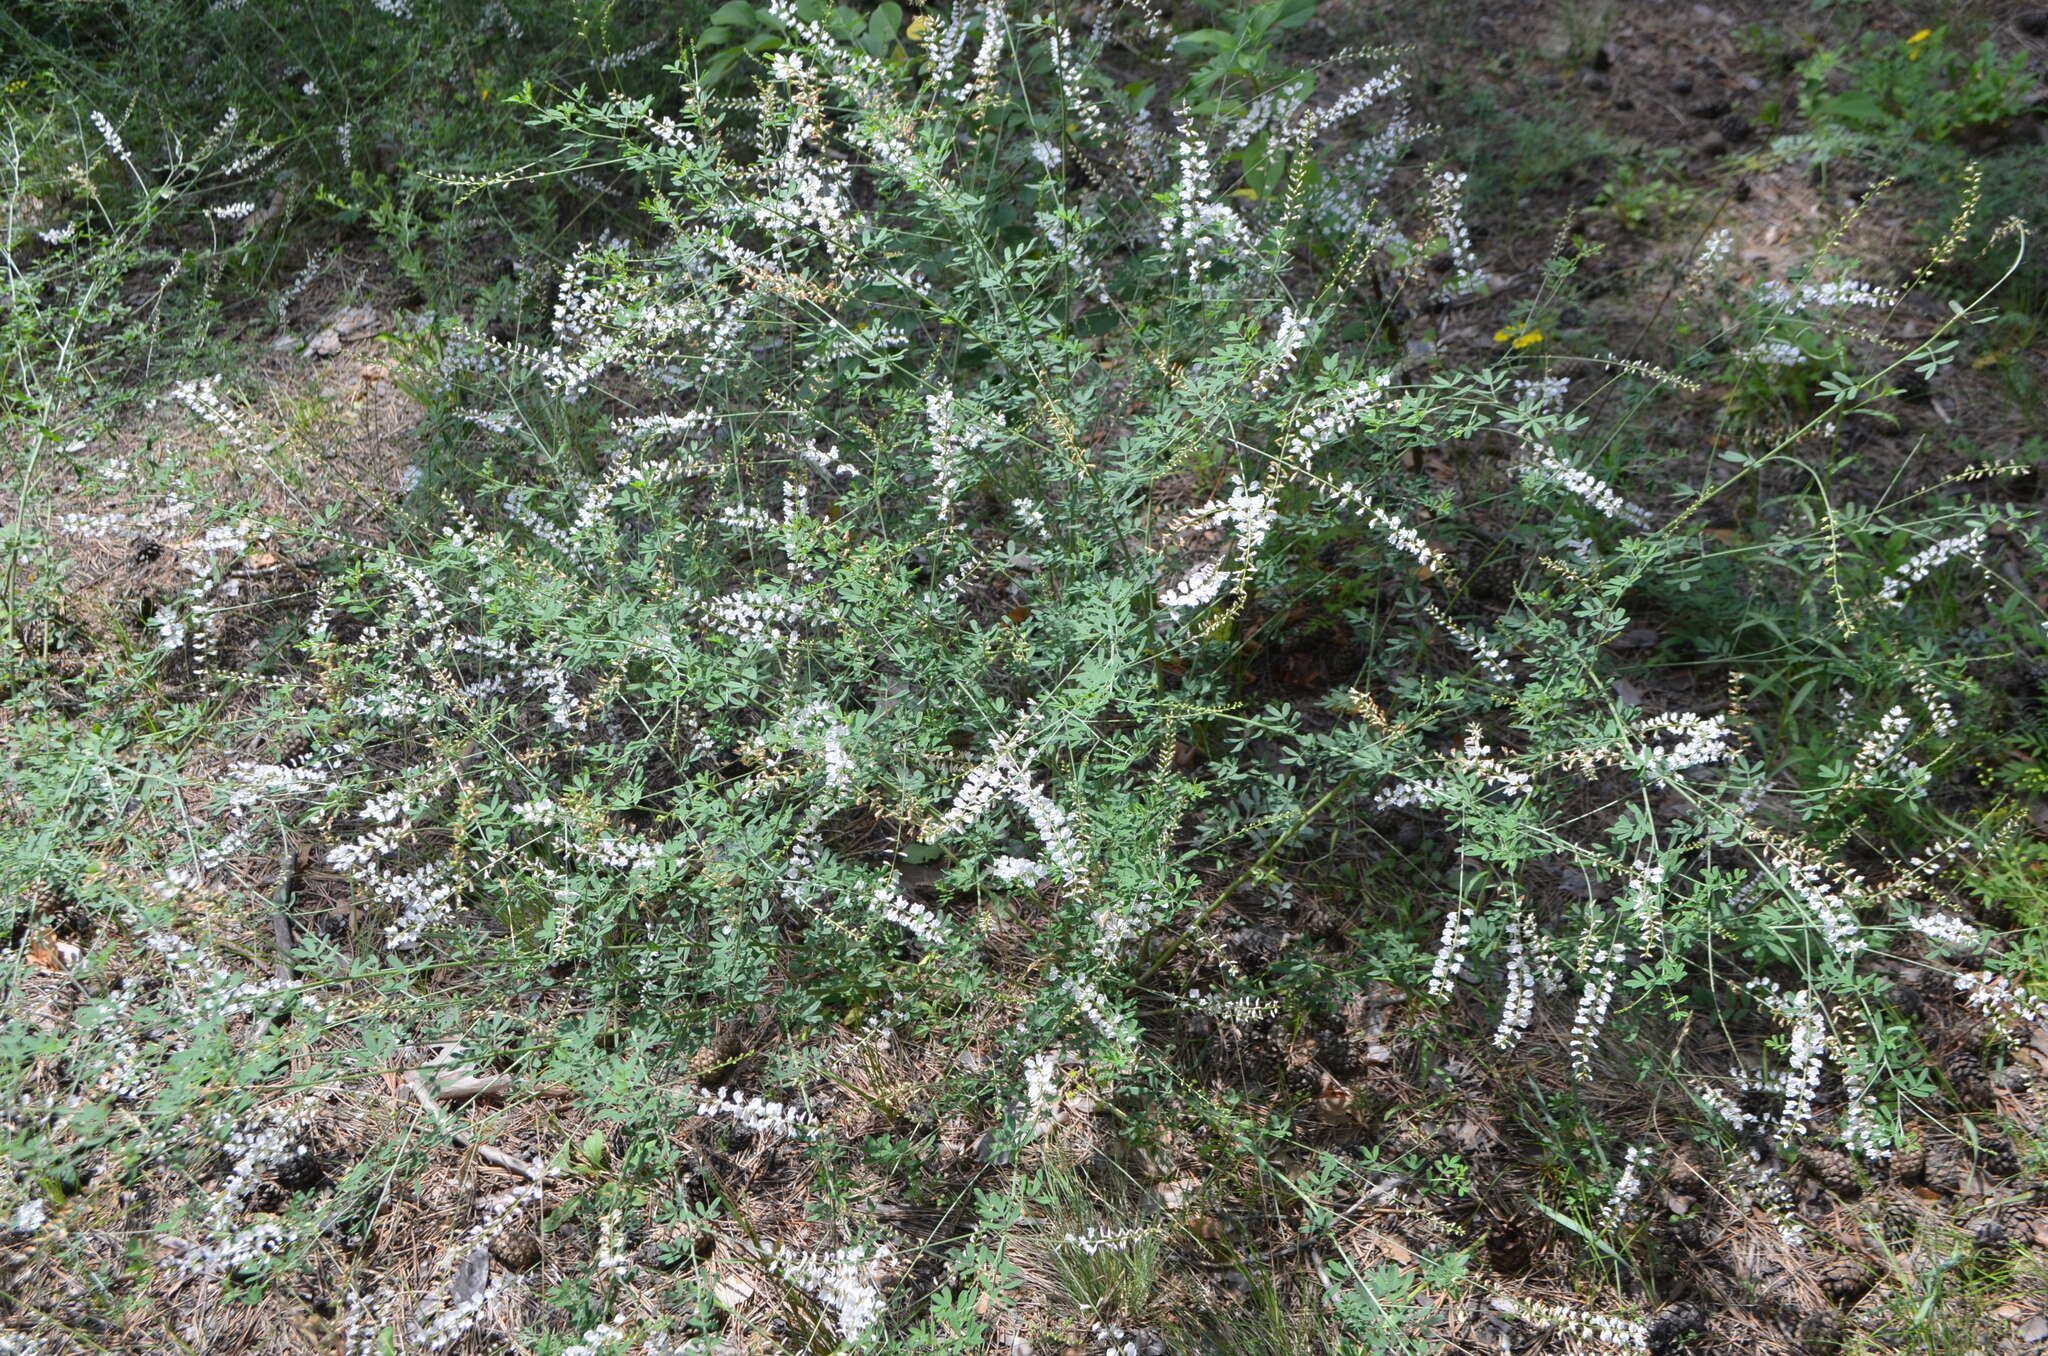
{"points": [[1832, 1168]]}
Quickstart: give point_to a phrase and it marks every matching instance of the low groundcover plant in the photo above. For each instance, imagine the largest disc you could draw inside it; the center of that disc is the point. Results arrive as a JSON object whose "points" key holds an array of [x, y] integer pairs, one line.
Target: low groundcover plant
{"points": [[845, 663]]}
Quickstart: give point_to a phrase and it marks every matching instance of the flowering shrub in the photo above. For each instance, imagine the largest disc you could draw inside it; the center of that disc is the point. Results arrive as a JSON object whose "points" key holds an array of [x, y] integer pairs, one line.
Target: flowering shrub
{"points": [[948, 616]]}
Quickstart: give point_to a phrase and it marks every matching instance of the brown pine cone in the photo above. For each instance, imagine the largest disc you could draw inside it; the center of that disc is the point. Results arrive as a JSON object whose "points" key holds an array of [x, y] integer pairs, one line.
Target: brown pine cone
{"points": [[1996, 1156], [1334, 1052], [1969, 1085], [1832, 1168], [2026, 1221], [1844, 1277], [1511, 1245], [1947, 1169], [1670, 1326], [1820, 1331], [517, 1249]]}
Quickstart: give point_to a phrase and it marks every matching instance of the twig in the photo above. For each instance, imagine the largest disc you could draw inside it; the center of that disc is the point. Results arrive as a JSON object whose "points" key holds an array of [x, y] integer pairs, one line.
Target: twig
{"points": [[488, 1153]]}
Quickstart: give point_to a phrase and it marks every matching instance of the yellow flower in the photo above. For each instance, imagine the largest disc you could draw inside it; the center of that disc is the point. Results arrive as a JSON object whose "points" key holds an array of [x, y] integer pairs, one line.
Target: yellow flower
{"points": [[1913, 43], [1518, 336], [918, 27]]}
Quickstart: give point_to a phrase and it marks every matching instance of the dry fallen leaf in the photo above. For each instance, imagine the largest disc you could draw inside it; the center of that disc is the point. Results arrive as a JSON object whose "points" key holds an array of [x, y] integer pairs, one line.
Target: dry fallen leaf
{"points": [[50, 952]]}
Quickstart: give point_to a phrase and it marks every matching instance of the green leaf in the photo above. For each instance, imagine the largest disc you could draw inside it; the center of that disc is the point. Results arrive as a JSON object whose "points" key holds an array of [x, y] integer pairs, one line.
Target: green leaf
{"points": [[1295, 13], [883, 26]]}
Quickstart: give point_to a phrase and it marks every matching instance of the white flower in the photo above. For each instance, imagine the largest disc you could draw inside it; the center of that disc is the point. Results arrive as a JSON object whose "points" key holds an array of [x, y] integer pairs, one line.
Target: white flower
{"points": [[1699, 740], [1595, 493], [1602, 970], [1832, 910], [1945, 929], [1342, 413], [1587, 1324], [2001, 998], [1626, 1188], [1773, 353], [109, 135], [1519, 1008], [1094, 1006], [1198, 588], [916, 918], [756, 1114], [1892, 592], [1399, 535], [1197, 231], [756, 617], [1543, 393], [1841, 292], [1018, 871], [1097, 1239], [1030, 513], [1450, 952], [843, 1281], [1251, 512], [1716, 250], [1041, 1085]]}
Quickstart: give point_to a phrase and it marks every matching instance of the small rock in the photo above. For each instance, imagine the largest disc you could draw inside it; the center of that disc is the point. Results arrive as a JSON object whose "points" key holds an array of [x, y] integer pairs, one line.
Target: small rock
{"points": [[2034, 1329], [732, 1290], [1596, 82], [347, 324], [1712, 108], [472, 1273], [1624, 105], [1713, 144], [1682, 85]]}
